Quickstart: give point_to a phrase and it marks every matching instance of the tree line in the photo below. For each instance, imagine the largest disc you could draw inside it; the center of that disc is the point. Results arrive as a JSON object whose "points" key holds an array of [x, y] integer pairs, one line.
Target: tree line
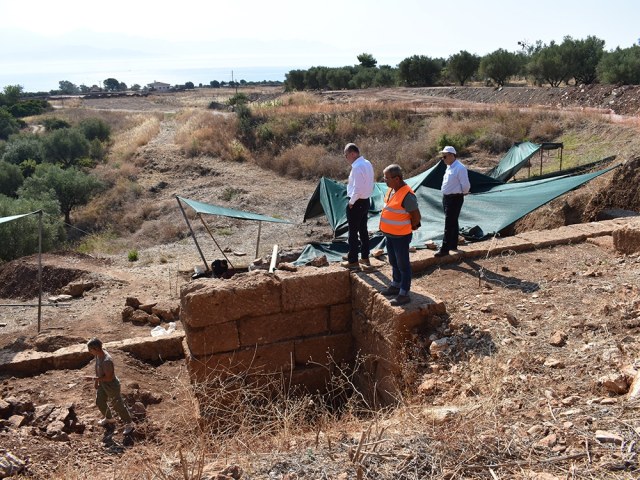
{"points": [[583, 61]]}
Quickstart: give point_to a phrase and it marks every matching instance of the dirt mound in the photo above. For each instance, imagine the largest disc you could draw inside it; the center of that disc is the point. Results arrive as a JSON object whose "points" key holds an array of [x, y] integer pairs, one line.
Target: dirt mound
{"points": [[608, 192], [618, 194], [19, 278], [622, 100]]}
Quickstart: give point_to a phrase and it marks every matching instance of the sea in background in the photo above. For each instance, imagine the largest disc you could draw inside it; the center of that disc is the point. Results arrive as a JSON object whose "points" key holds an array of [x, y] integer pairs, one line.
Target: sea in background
{"points": [[33, 80]]}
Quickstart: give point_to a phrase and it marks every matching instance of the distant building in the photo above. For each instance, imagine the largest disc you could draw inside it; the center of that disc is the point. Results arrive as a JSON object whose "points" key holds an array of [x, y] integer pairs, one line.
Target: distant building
{"points": [[159, 86]]}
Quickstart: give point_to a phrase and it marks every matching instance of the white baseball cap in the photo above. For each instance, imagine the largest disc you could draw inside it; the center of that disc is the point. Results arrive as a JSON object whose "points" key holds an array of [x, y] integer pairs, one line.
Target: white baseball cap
{"points": [[449, 149]]}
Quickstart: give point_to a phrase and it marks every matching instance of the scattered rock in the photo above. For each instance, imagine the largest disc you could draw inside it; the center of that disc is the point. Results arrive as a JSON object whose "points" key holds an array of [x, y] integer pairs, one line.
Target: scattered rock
{"points": [[513, 321], [428, 386], [558, 339], [132, 302], [319, 261], [547, 442], [627, 239], [77, 288], [553, 363], [604, 436], [287, 267], [616, 383]]}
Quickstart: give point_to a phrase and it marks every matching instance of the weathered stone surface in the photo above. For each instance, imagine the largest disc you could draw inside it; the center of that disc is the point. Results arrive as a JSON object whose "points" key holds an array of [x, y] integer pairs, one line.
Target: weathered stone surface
{"points": [[311, 379], [616, 383], [127, 313], [282, 326], [167, 311], [340, 318], [311, 288], [165, 347], [77, 288], [558, 339], [212, 301], [266, 358], [627, 239], [324, 350], [139, 317], [147, 307], [604, 436], [132, 302], [30, 362], [221, 337]]}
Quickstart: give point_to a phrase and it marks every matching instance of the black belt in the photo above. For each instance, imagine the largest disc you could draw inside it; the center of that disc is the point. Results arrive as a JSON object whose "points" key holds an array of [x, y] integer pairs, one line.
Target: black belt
{"points": [[361, 200], [454, 195]]}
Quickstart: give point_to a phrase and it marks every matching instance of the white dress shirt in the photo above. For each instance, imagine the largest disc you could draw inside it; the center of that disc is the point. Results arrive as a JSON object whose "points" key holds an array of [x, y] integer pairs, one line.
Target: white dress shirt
{"points": [[456, 179], [361, 182]]}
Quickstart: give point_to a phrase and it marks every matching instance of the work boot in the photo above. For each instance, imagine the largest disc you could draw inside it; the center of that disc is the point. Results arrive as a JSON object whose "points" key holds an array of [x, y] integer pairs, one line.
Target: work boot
{"points": [[350, 265], [365, 261], [400, 300], [106, 422], [390, 291], [441, 253], [128, 429]]}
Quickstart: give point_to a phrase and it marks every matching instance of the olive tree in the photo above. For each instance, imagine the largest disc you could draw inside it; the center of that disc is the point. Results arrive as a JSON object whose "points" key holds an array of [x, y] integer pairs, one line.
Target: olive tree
{"points": [[71, 187], [462, 66]]}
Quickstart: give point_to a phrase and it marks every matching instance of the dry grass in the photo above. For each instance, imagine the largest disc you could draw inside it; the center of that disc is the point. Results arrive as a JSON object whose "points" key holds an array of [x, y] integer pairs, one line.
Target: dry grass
{"points": [[208, 133], [142, 129]]}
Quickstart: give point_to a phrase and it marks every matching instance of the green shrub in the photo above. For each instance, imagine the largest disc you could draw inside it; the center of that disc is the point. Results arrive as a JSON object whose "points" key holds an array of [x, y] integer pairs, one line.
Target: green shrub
{"points": [[133, 255], [20, 237], [458, 141], [10, 179], [55, 123], [95, 128]]}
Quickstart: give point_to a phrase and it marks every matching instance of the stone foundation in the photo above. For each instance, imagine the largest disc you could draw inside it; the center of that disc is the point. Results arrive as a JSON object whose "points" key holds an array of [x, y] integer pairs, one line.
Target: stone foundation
{"points": [[301, 326]]}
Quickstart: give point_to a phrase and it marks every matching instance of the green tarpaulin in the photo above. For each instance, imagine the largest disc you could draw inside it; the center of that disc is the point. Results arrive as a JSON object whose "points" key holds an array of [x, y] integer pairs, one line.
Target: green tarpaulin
{"points": [[200, 207], [15, 217], [491, 206], [516, 158]]}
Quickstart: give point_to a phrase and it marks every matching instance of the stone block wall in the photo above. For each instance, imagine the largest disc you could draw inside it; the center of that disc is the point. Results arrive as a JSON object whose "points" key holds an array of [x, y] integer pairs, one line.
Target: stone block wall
{"points": [[300, 326], [297, 324], [380, 334]]}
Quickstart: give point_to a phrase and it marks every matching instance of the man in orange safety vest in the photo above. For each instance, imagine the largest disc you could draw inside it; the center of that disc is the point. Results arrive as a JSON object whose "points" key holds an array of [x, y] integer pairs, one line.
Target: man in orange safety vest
{"points": [[400, 217]]}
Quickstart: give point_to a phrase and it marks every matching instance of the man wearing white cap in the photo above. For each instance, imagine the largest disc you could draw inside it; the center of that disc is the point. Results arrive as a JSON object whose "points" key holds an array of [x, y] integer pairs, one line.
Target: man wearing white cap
{"points": [[455, 185]]}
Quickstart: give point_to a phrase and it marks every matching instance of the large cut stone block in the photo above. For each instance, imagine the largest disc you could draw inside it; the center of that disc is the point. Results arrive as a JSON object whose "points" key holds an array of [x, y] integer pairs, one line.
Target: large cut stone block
{"points": [[220, 337], [282, 326], [273, 358], [213, 301], [312, 288], [627, 239], [340, 318], [324, 350]]}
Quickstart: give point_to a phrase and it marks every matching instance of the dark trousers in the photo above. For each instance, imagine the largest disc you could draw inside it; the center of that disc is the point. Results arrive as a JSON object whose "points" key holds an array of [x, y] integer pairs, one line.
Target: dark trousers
{"points": [[357, 221], [452, 204], [398, 253]]}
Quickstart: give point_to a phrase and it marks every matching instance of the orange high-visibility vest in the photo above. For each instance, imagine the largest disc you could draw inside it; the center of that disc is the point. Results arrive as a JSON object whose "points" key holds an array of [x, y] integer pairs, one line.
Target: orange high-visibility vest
{"points": [[394, 219]]}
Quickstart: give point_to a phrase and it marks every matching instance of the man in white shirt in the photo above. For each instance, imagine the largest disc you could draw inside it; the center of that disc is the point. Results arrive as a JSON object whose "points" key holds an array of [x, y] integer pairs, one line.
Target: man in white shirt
{"points": [[359, 189], [455, 185]]}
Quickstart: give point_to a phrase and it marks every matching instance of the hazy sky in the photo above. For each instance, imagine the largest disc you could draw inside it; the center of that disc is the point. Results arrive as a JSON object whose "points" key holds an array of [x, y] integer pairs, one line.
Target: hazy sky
{"points": [[135, 41]]}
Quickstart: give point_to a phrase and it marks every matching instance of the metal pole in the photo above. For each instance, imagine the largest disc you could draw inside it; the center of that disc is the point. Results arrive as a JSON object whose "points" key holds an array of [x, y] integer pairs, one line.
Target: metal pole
{"points": [[541, 150], [560, 158], [39, 268], [215, 241], [206, 267], [258, 243]]}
